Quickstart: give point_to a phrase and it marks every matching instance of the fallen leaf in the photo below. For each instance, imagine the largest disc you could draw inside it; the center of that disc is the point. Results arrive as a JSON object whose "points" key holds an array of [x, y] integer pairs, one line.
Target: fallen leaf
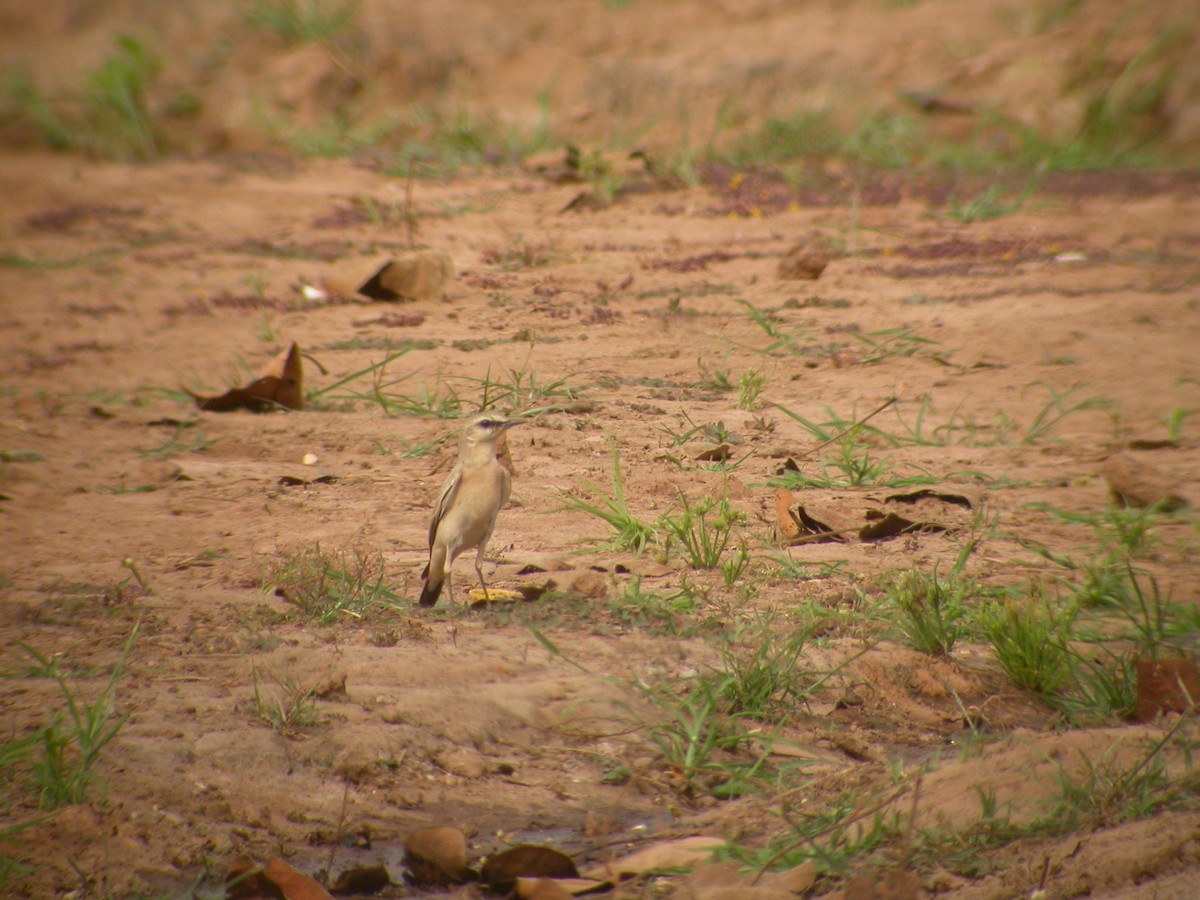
{"points": [[417, 275], [244, 880], [280, 386], [502, 870], [787, 529], [361, 880], [1165, 685], [297, 481], [704, 451], [796, 880], [813, 530], [1134, 483], [670, 855], [890, 525], [295, 885], [541, 889], [436, 855], [930, 494]]}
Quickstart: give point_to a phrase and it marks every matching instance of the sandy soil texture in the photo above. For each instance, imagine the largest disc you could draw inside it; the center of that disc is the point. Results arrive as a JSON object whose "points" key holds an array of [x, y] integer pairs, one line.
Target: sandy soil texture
{"points": [[1017, 368]]}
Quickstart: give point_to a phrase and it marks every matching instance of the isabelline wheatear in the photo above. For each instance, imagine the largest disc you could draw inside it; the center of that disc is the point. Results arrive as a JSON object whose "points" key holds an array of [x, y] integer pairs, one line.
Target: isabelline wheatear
{"points": [[466, 509]]}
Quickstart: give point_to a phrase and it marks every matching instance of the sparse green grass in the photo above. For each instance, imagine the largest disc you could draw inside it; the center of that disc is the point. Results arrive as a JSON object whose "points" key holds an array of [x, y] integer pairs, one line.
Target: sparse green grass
{"points": [[183, 440], [109, 116], [933, 609], [987, 205], [750, 385], [852, 465], [328, 586], [302, 21], [631, 533], [64, 765], [1031, 637], [703, 531], [289, 707], [1106, 793], [655, 611]]}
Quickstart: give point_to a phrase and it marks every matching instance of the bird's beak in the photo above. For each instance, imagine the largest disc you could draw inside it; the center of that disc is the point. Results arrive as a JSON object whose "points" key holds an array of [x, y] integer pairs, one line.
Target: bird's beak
{"points": [[511, 422]]}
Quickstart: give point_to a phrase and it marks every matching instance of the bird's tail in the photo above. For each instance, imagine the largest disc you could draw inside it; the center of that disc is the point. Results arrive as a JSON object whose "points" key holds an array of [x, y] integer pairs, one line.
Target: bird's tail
{"points": [[433, 575], [431, 592]]}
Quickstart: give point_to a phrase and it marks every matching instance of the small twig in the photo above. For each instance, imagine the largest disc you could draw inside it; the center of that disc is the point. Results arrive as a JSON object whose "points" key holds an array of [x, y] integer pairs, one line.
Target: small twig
{"points": [[837, 437]]}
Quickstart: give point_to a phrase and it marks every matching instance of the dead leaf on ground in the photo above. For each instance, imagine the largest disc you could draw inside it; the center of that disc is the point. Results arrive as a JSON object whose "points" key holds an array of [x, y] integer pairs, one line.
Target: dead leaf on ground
{"points": [[678, 854], [1165, 685], [543, 889], [297, 481], [889, 525], [787, 529], [502, 870], [244, 880], [418, 275], [436, 855], [362, 880], [295, 885], [930, 494], [280, 386], [1134, 483]]}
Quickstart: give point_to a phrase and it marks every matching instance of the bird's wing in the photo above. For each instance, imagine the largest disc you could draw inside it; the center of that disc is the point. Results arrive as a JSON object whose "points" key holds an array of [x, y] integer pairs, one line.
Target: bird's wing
{"points": [[445, 500]]}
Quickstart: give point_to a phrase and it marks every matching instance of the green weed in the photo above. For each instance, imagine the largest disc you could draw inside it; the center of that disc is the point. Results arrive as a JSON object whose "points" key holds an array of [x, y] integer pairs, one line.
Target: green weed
{"points": [[1031, 639], [302, 21], [325, 587], [631, 532], [289, 707], [110, 116], [654, 611], [703, 530], [182, 441], [933, 610], [750, 385], [64, 769], [987, 205]]}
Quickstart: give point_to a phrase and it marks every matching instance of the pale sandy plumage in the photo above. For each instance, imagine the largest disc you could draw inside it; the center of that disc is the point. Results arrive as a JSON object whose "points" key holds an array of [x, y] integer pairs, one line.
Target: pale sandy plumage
{"points": [[467, 507]]}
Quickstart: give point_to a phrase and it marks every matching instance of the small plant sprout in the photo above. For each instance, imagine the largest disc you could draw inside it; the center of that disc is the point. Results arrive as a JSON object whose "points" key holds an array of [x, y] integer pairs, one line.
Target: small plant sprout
{"points": [[631, 532]]}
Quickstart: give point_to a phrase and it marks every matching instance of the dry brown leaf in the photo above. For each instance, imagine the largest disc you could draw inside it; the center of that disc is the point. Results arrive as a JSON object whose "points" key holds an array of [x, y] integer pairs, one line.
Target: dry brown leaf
{"points": [[417, 275], [436, 855], [930, 494], [542, 889], [796, 880], [244, 880], [786, 527], [295, 885], [280, 385], [502, 870], [1166, 685], [1132, 482], [889, 525], [362, 880], [671, 855], [573, 886]]}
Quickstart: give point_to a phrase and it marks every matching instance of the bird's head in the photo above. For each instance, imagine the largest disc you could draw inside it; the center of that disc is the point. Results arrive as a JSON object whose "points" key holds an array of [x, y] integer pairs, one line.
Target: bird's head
{"points": [[486, 428]]}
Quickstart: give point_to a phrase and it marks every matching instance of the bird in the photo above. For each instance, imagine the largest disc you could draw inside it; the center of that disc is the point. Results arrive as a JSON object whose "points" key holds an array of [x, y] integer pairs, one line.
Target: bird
{"points": [[467, 507]]}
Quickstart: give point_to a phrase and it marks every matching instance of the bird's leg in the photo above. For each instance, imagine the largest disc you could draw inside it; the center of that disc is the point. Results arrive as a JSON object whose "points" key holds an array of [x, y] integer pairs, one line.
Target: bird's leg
{"points": [[450, 588], [479, 572]]}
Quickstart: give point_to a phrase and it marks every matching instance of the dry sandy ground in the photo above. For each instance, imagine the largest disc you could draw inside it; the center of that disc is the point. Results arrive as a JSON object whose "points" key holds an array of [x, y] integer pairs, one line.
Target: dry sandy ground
{"points": [[125, 511], [172, 274]]}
